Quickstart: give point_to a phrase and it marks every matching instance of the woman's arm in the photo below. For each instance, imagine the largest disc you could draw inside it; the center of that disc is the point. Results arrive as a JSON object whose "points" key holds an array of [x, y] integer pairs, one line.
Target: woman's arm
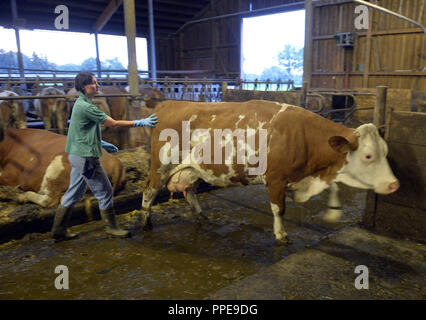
{"points": [[144, 122], [115, 124]]}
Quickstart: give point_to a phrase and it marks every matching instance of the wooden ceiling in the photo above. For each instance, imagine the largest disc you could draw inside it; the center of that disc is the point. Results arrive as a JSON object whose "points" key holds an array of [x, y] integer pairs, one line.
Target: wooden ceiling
{"points": [[88, 15]]}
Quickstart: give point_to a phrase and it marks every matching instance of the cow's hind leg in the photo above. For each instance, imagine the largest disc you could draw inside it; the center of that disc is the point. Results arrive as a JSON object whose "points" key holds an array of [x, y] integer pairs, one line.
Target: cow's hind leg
{"points": [[148, 198], [30, 196], [191, 198], [277, 197]]}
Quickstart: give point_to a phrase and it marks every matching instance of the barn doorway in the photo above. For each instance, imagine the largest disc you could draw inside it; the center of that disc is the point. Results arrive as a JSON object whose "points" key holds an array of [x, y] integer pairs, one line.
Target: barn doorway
{"points": [[272, 47]]}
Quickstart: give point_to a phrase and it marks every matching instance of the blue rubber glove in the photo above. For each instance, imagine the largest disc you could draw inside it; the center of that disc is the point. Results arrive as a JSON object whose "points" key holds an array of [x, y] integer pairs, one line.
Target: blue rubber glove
{"points": [[109, 147], [146, 122]]}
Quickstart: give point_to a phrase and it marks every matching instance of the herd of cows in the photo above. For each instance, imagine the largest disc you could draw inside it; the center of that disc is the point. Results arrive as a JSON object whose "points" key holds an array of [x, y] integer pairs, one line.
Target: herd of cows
{"points": [[305, 153]]}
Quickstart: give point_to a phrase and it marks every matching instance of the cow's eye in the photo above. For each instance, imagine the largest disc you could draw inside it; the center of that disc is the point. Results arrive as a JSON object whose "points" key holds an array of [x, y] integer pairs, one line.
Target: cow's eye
{"points": [[369, 157]]}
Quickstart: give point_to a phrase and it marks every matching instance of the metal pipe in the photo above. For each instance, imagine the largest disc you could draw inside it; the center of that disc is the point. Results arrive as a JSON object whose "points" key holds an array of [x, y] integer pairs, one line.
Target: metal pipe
{"points": [[18, 41], [249, 12], [153, 62], [98, 60], [375, 6]]}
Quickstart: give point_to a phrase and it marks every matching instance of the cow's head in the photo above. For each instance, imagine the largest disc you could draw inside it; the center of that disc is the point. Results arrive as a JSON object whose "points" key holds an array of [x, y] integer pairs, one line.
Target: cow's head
{"points": [[367, 166]]}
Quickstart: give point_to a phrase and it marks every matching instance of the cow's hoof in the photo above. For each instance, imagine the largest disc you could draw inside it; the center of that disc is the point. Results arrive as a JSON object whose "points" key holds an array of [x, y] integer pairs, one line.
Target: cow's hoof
{"points": [[282, 239], [200, 218], [148, 225]]}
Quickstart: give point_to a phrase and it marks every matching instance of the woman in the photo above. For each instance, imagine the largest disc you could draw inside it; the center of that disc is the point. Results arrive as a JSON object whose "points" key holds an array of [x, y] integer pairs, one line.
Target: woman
{"points": [[84, 146]]}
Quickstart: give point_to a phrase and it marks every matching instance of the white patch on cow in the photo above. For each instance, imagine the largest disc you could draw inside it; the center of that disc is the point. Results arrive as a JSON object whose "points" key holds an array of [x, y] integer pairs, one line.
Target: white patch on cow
{"points": [[53, 171], [193, 117], [260, 124], [240, 117], [279, 232], [32, 159], [224, 180], [282, 109], [213, 118], [307, 187], [30, 196], [271, 133], [7, 93]]}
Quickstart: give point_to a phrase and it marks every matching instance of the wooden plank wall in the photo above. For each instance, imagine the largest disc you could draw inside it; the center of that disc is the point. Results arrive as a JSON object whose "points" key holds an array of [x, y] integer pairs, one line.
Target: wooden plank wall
{"points": [[216, 45], [404, 212], [390, 53]]}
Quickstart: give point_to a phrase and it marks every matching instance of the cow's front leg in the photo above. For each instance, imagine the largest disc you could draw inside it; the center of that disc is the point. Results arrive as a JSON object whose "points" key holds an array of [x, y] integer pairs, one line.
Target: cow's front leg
{"points": [[148, 198], [277, 198], [334, 211], [47, 122]]}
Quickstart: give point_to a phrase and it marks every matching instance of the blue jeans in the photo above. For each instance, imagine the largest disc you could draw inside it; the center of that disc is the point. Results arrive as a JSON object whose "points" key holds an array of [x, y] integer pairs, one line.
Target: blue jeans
{"points": [[87, 171]]}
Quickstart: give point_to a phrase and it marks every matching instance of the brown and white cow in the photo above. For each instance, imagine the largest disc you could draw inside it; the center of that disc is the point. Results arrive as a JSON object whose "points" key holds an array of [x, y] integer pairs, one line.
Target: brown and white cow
{"points": [[35, 160], [12, 111], [55, 111], [296, 150], [151, 96]]}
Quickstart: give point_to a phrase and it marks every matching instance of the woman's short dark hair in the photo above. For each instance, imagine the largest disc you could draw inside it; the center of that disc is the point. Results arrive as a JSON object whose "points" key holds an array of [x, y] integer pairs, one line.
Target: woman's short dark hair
{"points": [[82, 79]]}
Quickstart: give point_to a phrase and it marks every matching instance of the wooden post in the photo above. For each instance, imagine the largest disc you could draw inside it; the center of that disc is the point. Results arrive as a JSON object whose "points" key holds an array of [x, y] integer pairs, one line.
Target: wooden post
{"points": [[130, 24], [307, 52], [380, 107], [98, 61], [303, 93]]}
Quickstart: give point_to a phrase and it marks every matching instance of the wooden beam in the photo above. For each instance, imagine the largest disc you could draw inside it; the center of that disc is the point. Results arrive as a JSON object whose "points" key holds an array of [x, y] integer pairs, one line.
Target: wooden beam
{"points": [[307, 53], [107, 14], [130, 24], [194, 5]]}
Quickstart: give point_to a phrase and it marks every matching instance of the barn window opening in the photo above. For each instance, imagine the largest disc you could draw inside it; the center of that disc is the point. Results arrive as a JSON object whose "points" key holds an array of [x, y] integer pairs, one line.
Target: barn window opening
{"points": [[69, 51], [272, 48]]}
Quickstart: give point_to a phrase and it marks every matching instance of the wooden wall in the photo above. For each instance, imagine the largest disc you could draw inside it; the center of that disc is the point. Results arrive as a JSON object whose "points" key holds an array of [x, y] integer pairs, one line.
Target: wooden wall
{"points": [[404, 212], [215, 45], [391, 52]]}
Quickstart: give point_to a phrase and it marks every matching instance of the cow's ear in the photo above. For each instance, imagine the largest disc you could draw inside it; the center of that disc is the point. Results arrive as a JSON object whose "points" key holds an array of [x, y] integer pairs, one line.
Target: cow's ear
{"points": [[343, 145], [339, 144]]}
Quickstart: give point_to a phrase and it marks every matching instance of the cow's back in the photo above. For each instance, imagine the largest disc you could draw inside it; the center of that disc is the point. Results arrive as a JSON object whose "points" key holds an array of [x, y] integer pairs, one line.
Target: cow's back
{"points": [[294, 135]]}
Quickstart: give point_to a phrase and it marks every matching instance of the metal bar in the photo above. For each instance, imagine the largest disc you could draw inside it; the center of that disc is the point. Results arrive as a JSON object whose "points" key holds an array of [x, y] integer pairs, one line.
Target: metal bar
{"points": [[74, 97], [18, 41], [400, 16], [249, 13], [153, 62], [98, 60]]}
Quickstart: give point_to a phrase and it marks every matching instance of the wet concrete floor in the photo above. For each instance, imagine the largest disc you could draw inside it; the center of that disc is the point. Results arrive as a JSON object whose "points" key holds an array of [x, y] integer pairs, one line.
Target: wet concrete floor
{"points": [[179, 259]]}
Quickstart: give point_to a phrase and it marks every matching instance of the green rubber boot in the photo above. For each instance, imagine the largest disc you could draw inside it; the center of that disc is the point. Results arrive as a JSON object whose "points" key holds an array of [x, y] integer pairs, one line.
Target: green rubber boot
{"points": [[108, 216], [60, 224]]}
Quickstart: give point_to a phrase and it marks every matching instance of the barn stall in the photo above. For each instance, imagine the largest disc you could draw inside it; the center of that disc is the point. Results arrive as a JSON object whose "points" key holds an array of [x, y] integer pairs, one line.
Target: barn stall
{"points": [[208, 68]]}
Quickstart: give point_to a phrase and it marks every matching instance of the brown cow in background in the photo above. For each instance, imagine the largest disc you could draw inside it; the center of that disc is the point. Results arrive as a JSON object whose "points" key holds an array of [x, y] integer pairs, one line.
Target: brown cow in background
{"points": [[36, 161], [12, 111], [151, 97], [55, 111]]}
